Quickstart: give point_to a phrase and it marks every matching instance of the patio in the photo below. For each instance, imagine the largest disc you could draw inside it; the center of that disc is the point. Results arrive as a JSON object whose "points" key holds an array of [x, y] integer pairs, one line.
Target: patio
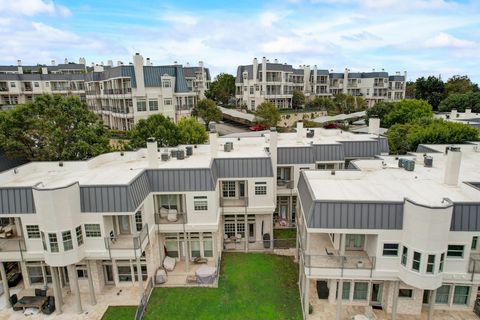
{"points": [[179, 277]]}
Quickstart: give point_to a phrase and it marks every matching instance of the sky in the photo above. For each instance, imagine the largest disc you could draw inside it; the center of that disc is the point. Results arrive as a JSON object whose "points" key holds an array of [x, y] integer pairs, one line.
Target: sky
{"points": [[422, 37]]}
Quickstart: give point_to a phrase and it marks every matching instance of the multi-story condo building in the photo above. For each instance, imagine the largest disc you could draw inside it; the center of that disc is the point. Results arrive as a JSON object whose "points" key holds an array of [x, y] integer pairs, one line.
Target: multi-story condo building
{"points": [[396, 233], [275, 82], [19, 84], [124, 94], [198, 79]]}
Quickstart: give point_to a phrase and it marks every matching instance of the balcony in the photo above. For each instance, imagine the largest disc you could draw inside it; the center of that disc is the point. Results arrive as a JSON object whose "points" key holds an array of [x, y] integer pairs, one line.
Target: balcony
{"points": [[3, 89], [127, 246], [234, 202], [170, 216], [284, 184]]}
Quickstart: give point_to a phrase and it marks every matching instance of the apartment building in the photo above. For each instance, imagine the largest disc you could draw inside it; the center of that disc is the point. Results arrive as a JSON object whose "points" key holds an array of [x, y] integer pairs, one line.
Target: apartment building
{"points": [[124, 94], [468, 117], [395, 233], [275, 82], [20, 84]]}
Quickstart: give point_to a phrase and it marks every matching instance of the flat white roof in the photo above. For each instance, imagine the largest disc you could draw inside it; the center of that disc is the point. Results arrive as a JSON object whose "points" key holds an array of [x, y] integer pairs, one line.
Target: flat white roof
{"points": [[382, 180]]}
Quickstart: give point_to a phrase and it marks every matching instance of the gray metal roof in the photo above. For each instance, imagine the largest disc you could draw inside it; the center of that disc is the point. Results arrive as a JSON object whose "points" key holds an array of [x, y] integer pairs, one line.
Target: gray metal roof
{"points": [[328, 152], [295, 155], [465, 216], [16, 200], [396, 78], [361, 149], [298, 72], [243, 167], [41, 77], [178, 180], [189, 72]]}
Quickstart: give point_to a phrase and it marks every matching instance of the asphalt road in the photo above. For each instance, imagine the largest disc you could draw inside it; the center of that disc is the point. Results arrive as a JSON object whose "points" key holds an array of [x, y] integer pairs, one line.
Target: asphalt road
{"points": [[224, 128]]}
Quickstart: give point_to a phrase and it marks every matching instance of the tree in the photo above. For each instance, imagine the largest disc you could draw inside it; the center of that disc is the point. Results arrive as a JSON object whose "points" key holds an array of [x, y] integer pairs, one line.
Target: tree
{"points": [[322, 103], [460, 102], [157, 126], [208, 111], [222, 88], [298, 99], [52, 128], [191, 131], [340, 100], [407, 110], [410, 90], [431, 89], [267, 114], [459, 85], [380, 110]]}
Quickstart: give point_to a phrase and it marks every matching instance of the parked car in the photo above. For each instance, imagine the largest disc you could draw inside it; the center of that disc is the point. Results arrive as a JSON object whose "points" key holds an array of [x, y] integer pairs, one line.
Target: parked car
{"points": [[258, 127], [330, 126]]}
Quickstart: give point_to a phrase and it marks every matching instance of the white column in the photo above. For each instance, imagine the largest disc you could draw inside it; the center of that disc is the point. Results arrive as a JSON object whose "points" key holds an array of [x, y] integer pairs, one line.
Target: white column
{"points": [[59, 284], [57, 293], [93, 301], [139, 275], [187, 251], [306, 298], [116, 279], [338, 315], [6, 289], [73, 279], [395, 299], [431, 303], [44, 273], [246, 232], [343, 241]]}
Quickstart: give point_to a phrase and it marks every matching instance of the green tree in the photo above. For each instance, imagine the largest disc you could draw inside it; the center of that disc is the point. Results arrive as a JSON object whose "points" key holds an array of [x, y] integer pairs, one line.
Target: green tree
{"points": [[267, 114], [208, 111], [461, 102], [459, 85], [380, 110], [298, 99], [407, 110], [340, 101], [222, 88], [322, 103], [410, 90], [191, 131], [157, 126], [52, 128], [431, 89]]}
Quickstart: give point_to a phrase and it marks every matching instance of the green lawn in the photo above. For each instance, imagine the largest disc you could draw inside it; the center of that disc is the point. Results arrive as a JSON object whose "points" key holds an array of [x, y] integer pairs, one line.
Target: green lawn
{"points": [[114, 313], [251, 286], [285, 238]]}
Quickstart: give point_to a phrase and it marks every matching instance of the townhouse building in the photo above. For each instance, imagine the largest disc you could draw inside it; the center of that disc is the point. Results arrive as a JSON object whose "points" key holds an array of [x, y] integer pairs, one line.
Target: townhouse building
{"points": [[20, 84], [275, 82], [394, 233]]}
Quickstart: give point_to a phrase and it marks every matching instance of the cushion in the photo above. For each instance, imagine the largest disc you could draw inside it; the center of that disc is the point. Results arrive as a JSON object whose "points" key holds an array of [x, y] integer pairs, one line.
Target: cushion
{"points": [[169, 263], [163, 212]]}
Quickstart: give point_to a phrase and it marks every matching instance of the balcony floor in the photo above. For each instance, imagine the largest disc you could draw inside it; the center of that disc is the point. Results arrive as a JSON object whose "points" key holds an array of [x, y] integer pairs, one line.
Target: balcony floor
{"points": [[178, 277]]}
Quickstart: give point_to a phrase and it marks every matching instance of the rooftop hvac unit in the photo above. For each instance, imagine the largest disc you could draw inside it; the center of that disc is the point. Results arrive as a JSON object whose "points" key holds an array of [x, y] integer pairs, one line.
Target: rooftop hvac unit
{"points": [[228, 146], [401, 162], [173, 153], [180, 154], [428, 161], [310, 133], [165, 156], [409, 165], [189, 150]]}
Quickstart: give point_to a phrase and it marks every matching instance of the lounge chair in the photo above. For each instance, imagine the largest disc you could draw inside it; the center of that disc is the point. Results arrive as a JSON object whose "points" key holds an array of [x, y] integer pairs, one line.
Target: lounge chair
{"points": [[172, 215], [40, 293], [6, 232], [328, 252], [200, 260], [13, 301], [163, 213], [49, 306], [169, 263]]}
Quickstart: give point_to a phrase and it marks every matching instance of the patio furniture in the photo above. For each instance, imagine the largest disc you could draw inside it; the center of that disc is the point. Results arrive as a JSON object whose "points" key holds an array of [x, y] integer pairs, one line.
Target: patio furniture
{"points": [[13, 300], [30, 302], [200, 260], [6, 232], [238, 237], [40, 293], [359, 317], [206, 274], [49, 306], [14, 279], [161, 276], [328, 252], [192, 278], [169, 263], [163, 213], [172, 215]]}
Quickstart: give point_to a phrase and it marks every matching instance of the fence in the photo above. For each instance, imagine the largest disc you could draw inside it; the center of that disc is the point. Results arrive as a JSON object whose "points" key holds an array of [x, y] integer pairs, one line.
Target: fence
{"points": [[142, 307], [238, 244]]}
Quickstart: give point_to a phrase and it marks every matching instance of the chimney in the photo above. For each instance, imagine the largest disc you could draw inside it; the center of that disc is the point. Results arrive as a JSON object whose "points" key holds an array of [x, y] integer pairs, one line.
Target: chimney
{"points": [[138, 69], [255, 69], [453, 114], [44, 70], [110, 63], [452, 167], [19, 63], [299, 131], [66, 61], [468, 111], [273, 151], [20, 69], [374, 126], [119, 63], [213, 138], [200, 64], [149, 63], [53, 63], [82, 61], [152, 153]]}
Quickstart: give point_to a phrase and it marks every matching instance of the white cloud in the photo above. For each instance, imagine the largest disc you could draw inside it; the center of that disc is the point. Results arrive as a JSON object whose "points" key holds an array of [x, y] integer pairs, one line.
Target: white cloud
{"points": [[32, 7], [185, 19], [268, 18], [445, 40]]}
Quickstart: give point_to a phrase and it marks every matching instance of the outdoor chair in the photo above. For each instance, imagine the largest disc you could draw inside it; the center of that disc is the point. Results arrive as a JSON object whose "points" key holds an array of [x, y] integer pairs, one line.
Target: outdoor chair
{"points": [[328, 252], [6, 232], [13, 301], [172, 215], [40, 293], [49, 306], [200, 260]]}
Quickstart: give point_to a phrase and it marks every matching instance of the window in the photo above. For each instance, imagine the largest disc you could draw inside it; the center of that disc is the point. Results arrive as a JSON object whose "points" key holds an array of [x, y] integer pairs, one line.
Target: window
{"points": [[354, 241], [141, 106], [170, 201], [417, 256], [443, 294], [228, 189], [207, 246], [166, 84], [405, 293], [251, 90], [52, 239], [390, 249], [172, 247], [47, 84], [455, 251], [124, 273], [43, 241], [82, 272], [12, 84], [92, 231], [138, 221], [33, 232], [460, 295], [153, 105], [360, 291], [67, 240], [325, 166], [440, 265], [195, 245], [431, 263], [79, 233], [260, 188], [252, 104], [404, 256], [200, 203], [474, 243], [36, 84], [346, 291], [167, 102]]}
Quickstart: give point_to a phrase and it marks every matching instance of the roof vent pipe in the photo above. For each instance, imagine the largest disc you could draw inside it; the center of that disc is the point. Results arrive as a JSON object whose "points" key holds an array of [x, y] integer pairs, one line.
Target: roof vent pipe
{"points": [[213, 137], [299, 131], [374, 126], [152, 153], [452, 168]]}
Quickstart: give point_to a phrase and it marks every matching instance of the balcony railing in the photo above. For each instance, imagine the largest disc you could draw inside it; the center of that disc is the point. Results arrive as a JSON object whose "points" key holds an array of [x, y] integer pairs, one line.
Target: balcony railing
{"points": [[170, 217], [344, 262], [234, 202], [14, 245], [3, 89], [474, 265], [284, 184], [127, 242]]}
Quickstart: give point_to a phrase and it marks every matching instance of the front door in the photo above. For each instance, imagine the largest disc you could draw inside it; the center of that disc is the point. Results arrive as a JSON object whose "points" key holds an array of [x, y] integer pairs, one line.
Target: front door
{"points": [[376, 298], [426, 296], [124, 224], [251, 232]]}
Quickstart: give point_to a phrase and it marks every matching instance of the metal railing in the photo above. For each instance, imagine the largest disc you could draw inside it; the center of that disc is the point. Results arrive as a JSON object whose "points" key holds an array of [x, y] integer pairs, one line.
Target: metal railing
{"points": [[331, 261], [284, 184], [127, 242], [181, 217], [13, 245], [142, 306], [234, 202], [474, 266], [234, 244]]}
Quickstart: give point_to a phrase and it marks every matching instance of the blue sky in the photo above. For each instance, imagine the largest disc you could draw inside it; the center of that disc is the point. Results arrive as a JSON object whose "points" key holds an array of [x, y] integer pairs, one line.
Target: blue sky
{"points": [[423, 37]]}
